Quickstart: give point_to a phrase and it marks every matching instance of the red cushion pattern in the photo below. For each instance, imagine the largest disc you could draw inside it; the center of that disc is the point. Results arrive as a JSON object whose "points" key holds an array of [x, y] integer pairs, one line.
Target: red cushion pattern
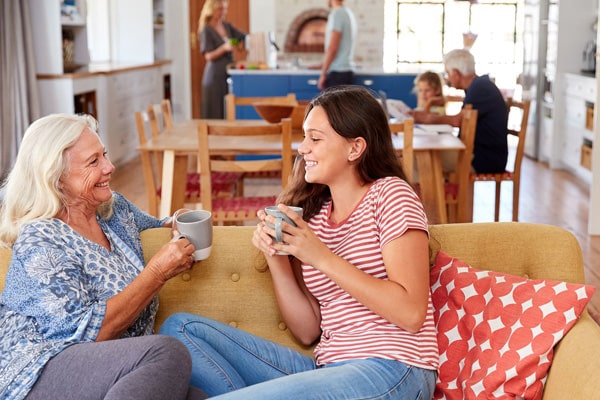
{"points": [[222, 182], [496, 332], [244, 207]]}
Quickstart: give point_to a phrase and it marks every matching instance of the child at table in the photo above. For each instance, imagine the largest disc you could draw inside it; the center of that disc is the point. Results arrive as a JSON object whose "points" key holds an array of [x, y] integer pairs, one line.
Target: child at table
{"points": [[428, 88]]}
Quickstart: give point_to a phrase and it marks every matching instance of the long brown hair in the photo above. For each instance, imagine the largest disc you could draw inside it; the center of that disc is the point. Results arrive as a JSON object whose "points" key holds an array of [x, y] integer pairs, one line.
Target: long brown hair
{"points": [[353, 111]]}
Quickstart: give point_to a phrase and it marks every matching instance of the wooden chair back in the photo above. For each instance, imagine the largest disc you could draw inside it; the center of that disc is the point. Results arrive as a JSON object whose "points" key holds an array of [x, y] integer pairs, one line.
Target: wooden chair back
{"points": [[458, 197], [297, 116], [223, 185], [520, 109], [232, 101], [406, 127], [151, 160], [162, 114], [241, 208]]}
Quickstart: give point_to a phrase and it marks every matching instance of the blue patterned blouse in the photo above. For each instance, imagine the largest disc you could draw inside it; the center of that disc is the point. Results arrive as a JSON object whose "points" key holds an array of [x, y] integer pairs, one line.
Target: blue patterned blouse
{"points": [[56, 290]]}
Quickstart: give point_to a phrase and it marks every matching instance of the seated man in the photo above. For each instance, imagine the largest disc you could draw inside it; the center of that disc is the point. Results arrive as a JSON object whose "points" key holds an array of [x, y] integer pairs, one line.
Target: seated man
{"points": [[491, 148]]}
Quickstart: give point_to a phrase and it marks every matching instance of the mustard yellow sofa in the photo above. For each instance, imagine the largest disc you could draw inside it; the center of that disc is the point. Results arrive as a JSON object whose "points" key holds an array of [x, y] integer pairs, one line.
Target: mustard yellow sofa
{"points": [[233, 285]]}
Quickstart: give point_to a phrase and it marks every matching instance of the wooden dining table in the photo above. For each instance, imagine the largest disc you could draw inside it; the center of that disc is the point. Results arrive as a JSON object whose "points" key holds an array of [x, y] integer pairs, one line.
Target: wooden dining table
{"points": [[181, 141]]}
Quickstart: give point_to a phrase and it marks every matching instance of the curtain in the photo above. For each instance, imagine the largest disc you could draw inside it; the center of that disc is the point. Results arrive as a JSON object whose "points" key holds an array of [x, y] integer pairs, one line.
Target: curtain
{"points": [[19, 102]]}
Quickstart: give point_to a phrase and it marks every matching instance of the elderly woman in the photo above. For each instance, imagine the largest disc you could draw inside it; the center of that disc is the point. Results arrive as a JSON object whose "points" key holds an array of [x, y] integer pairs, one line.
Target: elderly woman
{"points": [[77, 278]]}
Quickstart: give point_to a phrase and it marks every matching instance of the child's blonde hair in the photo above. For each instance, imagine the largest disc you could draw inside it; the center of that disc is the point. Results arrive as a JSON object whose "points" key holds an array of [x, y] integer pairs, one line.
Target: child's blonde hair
{"points": [[432, 78]]}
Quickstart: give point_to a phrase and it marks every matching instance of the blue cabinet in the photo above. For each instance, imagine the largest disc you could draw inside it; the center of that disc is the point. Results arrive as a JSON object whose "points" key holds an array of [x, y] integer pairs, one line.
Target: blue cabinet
{"points": [[304, 85], [257, 85], [395, 86]]}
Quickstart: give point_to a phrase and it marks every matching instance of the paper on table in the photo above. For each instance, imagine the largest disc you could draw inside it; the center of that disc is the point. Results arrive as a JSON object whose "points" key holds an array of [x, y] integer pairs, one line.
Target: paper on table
{"points": [[398, 109], [434, 128]]}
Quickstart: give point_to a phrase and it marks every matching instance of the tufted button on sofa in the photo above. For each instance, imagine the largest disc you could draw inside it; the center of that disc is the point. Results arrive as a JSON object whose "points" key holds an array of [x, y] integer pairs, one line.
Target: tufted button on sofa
{"points": [[233, 285]]}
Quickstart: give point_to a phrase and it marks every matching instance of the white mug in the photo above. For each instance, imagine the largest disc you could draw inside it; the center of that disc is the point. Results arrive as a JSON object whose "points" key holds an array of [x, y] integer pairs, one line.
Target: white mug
{"points": [[280, 217], [197, 227]]}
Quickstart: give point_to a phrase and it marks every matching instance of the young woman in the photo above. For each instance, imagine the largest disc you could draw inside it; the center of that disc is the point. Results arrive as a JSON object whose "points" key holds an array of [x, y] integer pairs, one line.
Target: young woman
{"points": [[356, 280]]}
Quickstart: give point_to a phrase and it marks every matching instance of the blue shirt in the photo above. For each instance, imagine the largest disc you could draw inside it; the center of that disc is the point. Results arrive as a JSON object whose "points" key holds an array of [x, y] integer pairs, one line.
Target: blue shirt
{"points": [[57, 286], [342, 20], [490, 152]]}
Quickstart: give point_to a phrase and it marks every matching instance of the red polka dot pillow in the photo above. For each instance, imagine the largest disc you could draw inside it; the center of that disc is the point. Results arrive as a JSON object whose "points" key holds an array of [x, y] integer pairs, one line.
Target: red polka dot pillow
{"points": [[496, 331]]}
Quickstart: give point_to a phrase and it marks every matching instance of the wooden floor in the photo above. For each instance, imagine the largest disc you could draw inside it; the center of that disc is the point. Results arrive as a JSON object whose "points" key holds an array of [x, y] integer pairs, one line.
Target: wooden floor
{"points": [[547, 196]]}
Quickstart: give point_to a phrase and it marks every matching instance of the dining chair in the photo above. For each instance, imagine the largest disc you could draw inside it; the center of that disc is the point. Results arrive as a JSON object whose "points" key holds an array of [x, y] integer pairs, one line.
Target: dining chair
{"points": [[161, 118], [161, 112], [232, 101], [241, 208], [406, 127], [458, 189], [223, 184], [297, 116], [520, 109]]}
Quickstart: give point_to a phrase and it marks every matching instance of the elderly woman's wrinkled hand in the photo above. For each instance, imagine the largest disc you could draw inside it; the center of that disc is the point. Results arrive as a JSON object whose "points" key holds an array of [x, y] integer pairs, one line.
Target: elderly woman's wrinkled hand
{"points": [[172, 259]]}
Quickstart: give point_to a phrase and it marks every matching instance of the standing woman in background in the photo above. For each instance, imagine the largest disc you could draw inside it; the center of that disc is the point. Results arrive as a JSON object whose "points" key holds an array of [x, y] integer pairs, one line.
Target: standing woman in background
{"points": [[217, 40]]}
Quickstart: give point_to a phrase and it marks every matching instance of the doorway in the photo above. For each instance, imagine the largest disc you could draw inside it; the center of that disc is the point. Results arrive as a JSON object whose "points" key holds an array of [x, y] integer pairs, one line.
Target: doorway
{"points": [[238, 15]]}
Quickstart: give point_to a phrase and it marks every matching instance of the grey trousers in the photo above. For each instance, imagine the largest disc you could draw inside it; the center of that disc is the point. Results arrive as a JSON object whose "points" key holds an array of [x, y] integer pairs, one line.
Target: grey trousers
{"points": [[152, 367]]}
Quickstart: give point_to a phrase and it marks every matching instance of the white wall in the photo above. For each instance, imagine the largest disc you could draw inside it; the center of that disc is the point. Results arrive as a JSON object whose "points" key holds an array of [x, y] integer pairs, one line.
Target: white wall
{"points": [[262, 15], [177, 44], [98, 31]]}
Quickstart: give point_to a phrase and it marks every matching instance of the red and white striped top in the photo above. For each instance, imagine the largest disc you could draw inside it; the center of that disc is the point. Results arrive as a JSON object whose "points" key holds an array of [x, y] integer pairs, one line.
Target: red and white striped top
{"points": [[349, 329]]}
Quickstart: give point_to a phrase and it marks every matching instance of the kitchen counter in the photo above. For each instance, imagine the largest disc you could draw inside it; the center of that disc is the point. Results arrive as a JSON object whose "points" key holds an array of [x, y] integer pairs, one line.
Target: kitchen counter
{"points": [[106, 68], [303, 83], [308, 71]]}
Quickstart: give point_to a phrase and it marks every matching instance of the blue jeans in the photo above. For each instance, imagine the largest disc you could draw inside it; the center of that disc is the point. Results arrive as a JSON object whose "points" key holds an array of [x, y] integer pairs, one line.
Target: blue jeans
{"points": [[228, 361]]}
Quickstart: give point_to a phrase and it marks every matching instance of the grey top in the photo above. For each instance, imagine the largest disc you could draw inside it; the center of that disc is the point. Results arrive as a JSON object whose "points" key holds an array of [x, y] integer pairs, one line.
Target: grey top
{"points": [[342, 20]]}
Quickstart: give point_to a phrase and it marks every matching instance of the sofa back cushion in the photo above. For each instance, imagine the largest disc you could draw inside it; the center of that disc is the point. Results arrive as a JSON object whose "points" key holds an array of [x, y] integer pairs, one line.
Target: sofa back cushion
{"points": [[533, 251], [233, 285]]}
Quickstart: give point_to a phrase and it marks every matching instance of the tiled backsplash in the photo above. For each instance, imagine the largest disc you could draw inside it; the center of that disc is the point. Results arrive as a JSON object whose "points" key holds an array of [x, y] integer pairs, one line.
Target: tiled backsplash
{"points": [[369, 18]]}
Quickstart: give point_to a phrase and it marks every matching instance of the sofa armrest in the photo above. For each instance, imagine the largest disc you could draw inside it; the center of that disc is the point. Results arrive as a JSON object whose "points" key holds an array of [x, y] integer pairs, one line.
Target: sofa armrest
{"points": [[574, 370]]}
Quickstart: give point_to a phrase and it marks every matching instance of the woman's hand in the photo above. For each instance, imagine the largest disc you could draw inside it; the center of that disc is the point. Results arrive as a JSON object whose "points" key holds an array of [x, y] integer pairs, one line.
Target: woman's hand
{"points": [[299, 240], [261, 238], [172, 259], [226, 47]]}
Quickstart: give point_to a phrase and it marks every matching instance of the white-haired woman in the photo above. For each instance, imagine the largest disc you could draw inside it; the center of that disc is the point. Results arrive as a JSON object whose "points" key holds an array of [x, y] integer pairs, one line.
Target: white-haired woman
{"points": [[77, 278]]}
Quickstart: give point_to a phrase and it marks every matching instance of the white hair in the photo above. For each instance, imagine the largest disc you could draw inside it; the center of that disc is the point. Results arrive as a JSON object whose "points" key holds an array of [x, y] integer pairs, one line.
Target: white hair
{"points": [[461, 60], [32, 189]]}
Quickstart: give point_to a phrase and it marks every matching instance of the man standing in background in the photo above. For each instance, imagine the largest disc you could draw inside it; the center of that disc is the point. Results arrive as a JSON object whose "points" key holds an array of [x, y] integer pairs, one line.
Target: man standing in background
{"points": [[340, 34]]}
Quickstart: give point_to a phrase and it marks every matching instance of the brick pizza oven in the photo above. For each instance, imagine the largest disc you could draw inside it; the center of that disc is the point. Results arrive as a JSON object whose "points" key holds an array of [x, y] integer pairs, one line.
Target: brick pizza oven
{"points": [[307, 32]]}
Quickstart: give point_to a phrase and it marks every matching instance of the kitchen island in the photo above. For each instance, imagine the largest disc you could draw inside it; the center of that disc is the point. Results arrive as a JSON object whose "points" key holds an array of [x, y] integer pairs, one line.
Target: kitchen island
{"points": [[303, 82]]}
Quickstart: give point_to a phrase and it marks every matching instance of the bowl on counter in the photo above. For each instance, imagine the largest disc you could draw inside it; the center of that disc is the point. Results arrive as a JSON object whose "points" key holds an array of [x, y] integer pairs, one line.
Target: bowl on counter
{"points": [[273, 113]]}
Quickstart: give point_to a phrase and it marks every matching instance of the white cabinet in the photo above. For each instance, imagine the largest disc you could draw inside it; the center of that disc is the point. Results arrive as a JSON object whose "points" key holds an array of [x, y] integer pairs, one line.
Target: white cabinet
{"points": [[127, 92], [594, 220], [122, 76], [131, 30], [58, 37], [571, 89], [576, 94], [159, 21]]}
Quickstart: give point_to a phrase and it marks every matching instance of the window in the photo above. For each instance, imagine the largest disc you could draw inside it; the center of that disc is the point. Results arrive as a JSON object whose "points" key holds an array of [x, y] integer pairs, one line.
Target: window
{"points": [[420, 32]]}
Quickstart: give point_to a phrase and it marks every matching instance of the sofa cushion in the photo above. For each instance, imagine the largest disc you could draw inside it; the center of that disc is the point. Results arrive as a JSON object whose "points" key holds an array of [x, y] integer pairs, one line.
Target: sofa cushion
{"points": [[496, 332]]}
